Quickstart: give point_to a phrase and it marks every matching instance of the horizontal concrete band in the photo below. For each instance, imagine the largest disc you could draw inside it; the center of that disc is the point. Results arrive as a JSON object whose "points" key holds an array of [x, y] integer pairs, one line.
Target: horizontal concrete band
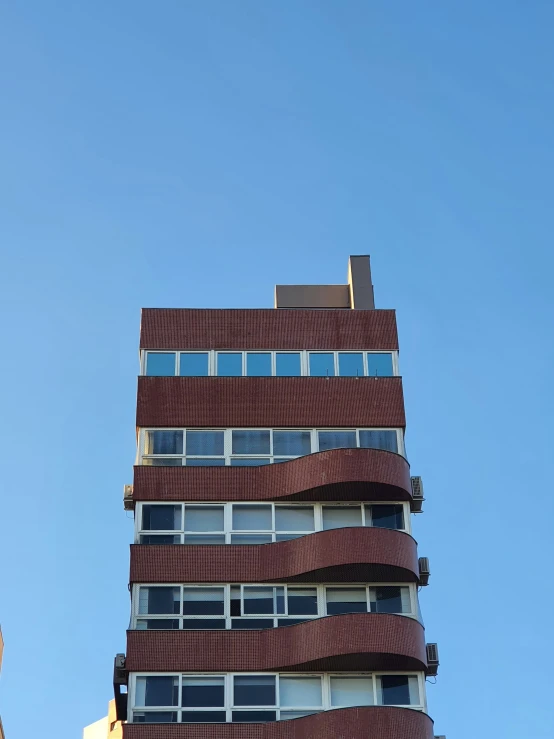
{"points": [[348, 554], [372, 330], [354, 641], [270, 402], [378, 722], [338, 474]]}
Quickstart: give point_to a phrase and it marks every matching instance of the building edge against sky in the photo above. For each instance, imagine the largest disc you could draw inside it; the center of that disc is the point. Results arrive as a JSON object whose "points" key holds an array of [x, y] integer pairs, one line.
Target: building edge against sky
{"points": [[274, 579]]}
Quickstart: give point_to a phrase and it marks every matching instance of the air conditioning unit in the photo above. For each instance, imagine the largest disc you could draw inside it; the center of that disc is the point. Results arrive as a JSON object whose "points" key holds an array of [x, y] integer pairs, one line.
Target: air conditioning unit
{"points": [[424, 571], [432, 659], [128, 503], [417, 494], [119, 671]]}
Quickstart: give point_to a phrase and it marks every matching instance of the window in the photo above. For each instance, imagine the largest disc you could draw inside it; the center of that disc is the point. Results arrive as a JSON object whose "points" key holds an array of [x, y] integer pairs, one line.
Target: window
{"points": [[260, 698], [258, 523], [266, 363], [252, 447], [262, 606]]}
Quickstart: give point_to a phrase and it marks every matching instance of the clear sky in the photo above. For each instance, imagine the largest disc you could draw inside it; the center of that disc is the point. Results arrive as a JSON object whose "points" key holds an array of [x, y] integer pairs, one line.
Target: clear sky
{"points": [[193, 154]]}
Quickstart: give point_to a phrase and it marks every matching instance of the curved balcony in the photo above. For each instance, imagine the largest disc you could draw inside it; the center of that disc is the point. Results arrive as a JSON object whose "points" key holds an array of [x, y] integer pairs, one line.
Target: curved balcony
{"points": [[337, 474], [349, 642], [384, 722], [288, 402], [337, 555]]}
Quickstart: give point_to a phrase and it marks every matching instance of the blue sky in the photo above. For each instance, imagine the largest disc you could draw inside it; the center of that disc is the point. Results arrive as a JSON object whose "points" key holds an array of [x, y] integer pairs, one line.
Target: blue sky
{"points": [[195, 154]]}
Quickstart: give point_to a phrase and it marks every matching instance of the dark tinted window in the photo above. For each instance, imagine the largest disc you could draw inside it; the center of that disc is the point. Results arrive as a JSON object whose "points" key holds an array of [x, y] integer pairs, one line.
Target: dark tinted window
{"points": [[395, 690], [380, 439], [161, 517], [254, 690], [387, 516], [388, 600]]}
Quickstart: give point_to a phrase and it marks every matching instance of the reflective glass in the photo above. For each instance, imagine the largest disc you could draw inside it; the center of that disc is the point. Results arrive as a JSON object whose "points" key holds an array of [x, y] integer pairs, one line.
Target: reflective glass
{"points": [[155, 717], [258, 365], [251, 539], [251, 442], [204, 539], [256, 717], [160, 364], [205, 462], [386, 516], [156, 691], [351, 691], [321, 365], [251, 623], [161, 517], [292, 443], [204, 624], [160, 539], [287, 537], [395, 690], [162, 462], [164, 442], [294, 518], [336, 440], [200, 692], [379, 365], [338, 517], [287, 365], [229, 365], [193, 364], [249, 461], [258, 600], [351, 365], [203, 601], [254, 690], [158, 624], [302, 601], [388, 599], [204, 443], [252, 518], [379, 439], [346, 600], [203, 717], [300, 691], [204, 518], [159, 600], [286, 715]]}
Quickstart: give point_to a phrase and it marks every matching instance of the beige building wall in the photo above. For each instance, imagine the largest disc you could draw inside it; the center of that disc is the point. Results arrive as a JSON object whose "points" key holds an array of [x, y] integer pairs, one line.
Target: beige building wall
{"points": [[106, 728]]}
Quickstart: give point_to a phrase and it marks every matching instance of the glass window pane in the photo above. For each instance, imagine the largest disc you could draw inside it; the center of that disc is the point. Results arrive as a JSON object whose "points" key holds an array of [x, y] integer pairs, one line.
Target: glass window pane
{"points": [[251, 623], [351, 365], [258, 600], [204, 624], [205, 443], [204, 518], [302, 601], [163, 600], [252, 518], [155, 717], [321, 365], [395, 690], [346, 600], [294, 518], [164, 442], [388, 599], [203, 691], [336, 440], [193, 364], [256, 717], [379, 439], [229, 365], [287, 715], [338, 517], [203, 601], [161, 517], [287, 364], [351, 691], [249, 461], [160, 364], [386, 516], [205, 462], [251, 442], [251, 539], [287, 537], [258, 364], [156, 691], [300, 691], [158, 624], [204, 539], [160, 539], [254, 690], [203, 717], [379, 365], [291, 443], [162, 462]]}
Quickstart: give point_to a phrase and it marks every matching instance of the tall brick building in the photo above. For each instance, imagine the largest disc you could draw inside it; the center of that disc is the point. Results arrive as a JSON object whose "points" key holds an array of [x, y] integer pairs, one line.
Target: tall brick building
{"points": [[274, 579]]}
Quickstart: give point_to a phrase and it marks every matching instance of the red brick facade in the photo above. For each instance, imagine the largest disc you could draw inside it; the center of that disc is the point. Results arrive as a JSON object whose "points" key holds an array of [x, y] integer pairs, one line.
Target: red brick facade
{"points": [[338, 474]]}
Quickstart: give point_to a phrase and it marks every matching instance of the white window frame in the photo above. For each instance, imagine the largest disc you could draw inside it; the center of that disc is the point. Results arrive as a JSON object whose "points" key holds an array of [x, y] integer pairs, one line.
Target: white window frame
{"points": [[228, 681], [321, 595], [273, 535], [228, 455], [304, 360]]}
